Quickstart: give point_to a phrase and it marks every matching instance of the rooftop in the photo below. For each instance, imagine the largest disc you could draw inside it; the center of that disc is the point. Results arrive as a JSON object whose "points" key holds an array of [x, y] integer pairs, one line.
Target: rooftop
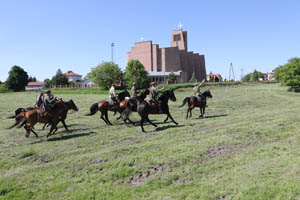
{"points": [[71, 74]]}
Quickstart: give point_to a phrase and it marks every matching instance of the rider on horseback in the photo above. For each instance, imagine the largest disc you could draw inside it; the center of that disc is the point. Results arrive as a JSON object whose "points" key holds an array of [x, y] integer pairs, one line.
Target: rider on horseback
{"points": [[154, 95], [196, 90], [112, 99], [48, 105], [39, 100], [133, 94]]}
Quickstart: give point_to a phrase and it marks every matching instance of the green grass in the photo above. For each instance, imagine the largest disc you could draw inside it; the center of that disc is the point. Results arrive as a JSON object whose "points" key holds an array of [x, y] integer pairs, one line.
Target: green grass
{"points": [[246, 148]]}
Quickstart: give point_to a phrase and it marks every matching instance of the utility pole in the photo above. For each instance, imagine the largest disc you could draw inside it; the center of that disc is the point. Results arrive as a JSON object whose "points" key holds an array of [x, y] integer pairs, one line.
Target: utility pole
{"points": [[242, 74], [231, 72], [112, 52]]}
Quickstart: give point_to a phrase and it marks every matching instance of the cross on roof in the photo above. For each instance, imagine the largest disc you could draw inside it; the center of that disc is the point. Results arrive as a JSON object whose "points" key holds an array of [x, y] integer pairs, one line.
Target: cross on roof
{"points": [[180, 25]]}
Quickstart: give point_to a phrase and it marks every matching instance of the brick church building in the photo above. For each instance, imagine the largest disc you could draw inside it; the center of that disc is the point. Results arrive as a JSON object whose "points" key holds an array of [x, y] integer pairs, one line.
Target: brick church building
{"points": [[160, 62]]}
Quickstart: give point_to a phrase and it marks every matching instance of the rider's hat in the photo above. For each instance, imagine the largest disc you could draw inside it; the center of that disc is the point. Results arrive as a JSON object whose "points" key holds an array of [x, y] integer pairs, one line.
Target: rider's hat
{"points": [[153, 83], [195, 84], [134, 83], [48, 92]]}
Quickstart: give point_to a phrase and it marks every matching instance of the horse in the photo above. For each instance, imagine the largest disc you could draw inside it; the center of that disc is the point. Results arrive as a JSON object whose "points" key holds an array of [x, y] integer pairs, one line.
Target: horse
{"points": [[104, 107], [59, 115], [194, 101], [145, 108], [19, 110], [130, 105]]}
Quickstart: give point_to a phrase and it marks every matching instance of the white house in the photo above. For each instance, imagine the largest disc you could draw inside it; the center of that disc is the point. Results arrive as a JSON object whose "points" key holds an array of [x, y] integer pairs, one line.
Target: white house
{"points": [[73, 77], [35, 86]]}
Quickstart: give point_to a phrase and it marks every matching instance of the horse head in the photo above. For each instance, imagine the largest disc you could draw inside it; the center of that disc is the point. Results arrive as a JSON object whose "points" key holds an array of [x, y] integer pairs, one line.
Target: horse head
{"points": [[207, 94], [72, 105], [121, 96], [170, 94]]}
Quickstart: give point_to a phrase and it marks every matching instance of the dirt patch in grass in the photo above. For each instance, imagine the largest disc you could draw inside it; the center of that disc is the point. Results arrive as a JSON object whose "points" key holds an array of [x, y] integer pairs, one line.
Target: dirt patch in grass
{"points": [[142, 178], [42, 159], [224, 150], [180, 181], [94, 162]]}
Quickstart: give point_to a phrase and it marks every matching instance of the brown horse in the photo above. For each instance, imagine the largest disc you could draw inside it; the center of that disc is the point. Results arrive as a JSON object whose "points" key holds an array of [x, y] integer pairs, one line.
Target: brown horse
{"points": [[196, 101], [104, 107], [32, 117]]}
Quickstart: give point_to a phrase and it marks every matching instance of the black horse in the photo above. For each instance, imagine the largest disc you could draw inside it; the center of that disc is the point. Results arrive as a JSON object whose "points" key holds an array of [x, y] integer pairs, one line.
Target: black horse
{"points": [[19, 110], [104, 107], [196, 101], [130, 105], [145, 108]]}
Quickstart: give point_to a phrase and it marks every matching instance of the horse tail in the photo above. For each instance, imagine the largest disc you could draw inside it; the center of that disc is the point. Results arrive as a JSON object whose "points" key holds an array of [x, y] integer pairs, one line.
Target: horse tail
{"points": [[19, 119], [11, 117], [184, 101], [93, 109]]}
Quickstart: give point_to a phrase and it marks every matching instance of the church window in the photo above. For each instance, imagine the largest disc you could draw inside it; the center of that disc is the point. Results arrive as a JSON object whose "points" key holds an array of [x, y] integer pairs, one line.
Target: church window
{"points": [[176, 37]]}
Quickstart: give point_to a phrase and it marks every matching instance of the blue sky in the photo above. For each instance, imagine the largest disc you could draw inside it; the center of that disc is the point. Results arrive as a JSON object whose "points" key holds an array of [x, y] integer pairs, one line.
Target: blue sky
{"points": [[42, 36]]}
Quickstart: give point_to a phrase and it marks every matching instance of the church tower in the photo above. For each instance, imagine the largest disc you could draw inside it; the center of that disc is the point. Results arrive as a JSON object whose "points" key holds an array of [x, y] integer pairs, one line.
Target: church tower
{"points": [[179, 39]]}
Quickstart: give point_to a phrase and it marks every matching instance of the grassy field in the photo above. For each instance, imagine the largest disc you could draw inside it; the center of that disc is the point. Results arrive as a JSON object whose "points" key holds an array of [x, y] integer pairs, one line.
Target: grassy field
{"points": [[246, 147]]}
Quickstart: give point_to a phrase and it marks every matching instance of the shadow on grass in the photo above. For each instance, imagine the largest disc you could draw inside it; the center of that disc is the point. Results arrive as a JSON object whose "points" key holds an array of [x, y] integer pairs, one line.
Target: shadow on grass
{"points": [[66, 137], [167, 127], [208, 117], [215, 116]]}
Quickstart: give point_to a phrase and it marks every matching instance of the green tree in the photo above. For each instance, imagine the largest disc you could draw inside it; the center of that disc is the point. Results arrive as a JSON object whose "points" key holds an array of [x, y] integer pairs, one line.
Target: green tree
{"points": [[255, 76], [171, 78], [32, 79], [135, 72], [47, 83], [289, 74], [17, 79], [59, 78], [106, 74]]}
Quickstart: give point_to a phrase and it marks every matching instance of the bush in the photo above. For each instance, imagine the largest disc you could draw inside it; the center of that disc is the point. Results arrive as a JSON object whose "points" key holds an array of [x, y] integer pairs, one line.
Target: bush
{"points": [[3, 88], [289, 74], [171, 78]]}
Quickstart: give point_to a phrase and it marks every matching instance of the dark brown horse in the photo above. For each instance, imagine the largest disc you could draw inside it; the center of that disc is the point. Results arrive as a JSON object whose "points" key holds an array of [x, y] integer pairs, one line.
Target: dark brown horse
{"points": [[145, 108], [104, 107], [196, 101], [32, 117]]}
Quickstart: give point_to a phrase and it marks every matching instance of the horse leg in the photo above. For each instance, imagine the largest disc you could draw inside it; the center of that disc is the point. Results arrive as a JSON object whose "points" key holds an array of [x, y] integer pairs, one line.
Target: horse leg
{"points": [[166, 119], [51, 130], [131, 121], [119, 117], [142, 123], [201, 112], [169, 115], [106, 117], [191, 112], [151, 122], [65, 125], [44, 126], [36, 135], [27, 131], [102, 117]]}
